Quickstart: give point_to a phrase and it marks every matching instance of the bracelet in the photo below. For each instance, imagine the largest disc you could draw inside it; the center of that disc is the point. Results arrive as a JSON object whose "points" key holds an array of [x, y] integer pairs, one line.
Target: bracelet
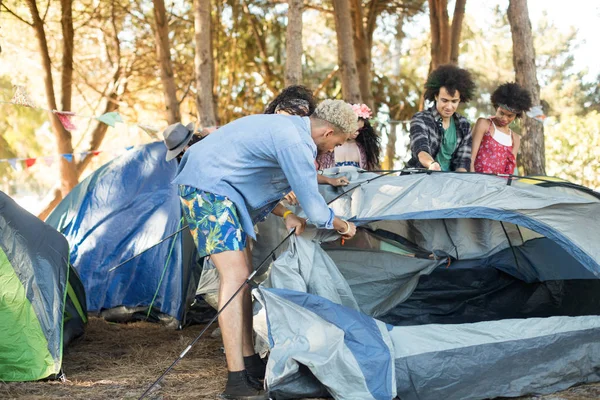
{"points": [[347, 231], [286, 213]]}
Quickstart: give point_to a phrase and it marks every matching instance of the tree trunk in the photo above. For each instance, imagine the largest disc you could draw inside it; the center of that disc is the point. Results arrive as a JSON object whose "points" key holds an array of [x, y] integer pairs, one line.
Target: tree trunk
{"points": [[440, 32], [532, 156], [293, 43], [63, 137], [457, 22], [67, 59], [203, 61], [346, 54], [445, 38], [390, 150], [163, 51], [362, 48]]}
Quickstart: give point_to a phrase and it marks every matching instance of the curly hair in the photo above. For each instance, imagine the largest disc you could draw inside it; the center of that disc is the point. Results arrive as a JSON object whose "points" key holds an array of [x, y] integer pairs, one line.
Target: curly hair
{"points": [[513, 97], [338, 113], [295, 100], [371, 142], [452, 78]]}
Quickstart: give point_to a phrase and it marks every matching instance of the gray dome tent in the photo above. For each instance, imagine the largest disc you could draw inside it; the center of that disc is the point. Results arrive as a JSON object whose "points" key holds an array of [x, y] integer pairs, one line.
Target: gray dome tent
{"points": [[458, 286], [42, 302]]}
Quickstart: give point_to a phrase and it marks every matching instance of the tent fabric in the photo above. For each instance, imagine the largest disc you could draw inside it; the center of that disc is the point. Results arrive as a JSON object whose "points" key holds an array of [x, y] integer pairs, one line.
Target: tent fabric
{"points": [[34, 283], [119, 211], [485, 289]]}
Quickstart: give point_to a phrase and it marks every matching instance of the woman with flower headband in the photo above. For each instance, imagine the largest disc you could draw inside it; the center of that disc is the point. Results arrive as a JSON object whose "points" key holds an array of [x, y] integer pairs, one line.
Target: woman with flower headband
{"points": [[362, 148], [495, 146]]}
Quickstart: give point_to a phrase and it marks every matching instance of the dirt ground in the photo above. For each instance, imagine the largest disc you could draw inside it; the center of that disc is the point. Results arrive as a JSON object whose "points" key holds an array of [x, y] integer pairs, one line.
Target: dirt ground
{"points": [[119, 361]]}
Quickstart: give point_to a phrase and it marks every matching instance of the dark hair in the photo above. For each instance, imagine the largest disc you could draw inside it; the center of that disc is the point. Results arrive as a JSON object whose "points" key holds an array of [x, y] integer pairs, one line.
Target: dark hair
{"points": [[452, 78], [295, 100], [512, 96], [194, 139], [370, 141]]}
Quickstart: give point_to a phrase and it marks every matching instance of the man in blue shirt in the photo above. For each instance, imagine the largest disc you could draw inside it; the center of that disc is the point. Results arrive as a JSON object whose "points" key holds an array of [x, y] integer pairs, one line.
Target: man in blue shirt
{"points": [[232, 179]]}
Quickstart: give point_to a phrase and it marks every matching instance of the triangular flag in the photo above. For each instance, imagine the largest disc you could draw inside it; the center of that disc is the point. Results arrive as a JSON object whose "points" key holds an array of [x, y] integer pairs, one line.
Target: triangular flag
{"points": [[128, 148], [13, 163], [150, 130], [49, 160], [21, 97], [95, 153], [65, 119], [68, 157], [537, 113], [110, 118], [30, 161]]}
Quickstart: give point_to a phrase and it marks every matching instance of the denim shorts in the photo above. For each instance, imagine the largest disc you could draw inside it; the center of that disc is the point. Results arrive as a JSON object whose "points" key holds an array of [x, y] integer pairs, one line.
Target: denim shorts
{"points": [[213, 221]]}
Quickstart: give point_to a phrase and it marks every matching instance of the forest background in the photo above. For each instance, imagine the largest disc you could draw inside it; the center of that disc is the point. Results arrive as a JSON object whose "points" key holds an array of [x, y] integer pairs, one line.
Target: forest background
{"points": [[211, 61]]}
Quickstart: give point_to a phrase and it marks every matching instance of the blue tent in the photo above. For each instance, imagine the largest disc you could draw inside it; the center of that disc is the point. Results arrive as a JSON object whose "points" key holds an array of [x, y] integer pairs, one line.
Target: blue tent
{"points": [[120, 210]]}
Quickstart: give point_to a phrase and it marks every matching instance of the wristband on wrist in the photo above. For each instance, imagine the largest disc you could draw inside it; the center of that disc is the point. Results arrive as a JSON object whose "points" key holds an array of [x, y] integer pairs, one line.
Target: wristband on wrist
{"points": [[347, 231], [286, 214]]}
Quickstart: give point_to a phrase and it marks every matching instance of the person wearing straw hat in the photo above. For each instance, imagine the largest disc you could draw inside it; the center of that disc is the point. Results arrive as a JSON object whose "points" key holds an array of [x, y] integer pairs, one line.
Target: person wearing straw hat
{"points": [[233, 179]]}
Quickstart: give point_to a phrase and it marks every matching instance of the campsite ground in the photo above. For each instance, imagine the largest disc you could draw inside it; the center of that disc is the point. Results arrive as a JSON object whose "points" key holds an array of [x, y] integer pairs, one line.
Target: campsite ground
{"points": [[119, 361]]}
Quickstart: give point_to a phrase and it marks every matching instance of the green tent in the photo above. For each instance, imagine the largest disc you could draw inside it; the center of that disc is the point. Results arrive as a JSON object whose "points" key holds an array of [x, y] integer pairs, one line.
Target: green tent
{"points": [[42, 301]]}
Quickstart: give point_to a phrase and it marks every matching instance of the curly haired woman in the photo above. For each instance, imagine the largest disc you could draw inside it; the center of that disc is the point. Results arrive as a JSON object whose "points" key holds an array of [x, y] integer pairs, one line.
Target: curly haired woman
{"points": [[362, 148], [495, 146]]}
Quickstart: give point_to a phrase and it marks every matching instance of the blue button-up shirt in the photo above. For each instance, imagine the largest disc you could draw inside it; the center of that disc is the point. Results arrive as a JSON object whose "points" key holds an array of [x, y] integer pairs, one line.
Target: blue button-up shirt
{"points": [[255, 161]]}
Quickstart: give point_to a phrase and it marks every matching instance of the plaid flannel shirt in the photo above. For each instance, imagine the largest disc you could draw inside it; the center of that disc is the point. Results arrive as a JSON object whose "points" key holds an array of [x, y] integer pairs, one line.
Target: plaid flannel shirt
{"points": [[426, 133]]}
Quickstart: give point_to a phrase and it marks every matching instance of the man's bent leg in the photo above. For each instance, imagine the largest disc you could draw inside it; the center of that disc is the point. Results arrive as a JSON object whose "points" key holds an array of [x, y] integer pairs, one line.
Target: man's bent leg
{"points": [[233, 272], [248, 332]]}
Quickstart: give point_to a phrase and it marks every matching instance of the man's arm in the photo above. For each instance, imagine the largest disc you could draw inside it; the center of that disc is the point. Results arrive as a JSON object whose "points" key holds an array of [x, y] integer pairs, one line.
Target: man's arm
{"points": [[420, 146], [463, 154], [298, 166]]}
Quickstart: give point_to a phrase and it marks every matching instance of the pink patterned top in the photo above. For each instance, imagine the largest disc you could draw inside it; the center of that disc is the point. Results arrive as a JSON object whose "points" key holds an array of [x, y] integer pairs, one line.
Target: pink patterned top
{"points": [[493, 157], [327, 160]]}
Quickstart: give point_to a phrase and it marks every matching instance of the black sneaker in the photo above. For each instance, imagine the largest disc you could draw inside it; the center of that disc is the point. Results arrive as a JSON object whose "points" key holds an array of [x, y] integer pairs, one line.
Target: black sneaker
{"points": [[256, 367], [239, 387]]}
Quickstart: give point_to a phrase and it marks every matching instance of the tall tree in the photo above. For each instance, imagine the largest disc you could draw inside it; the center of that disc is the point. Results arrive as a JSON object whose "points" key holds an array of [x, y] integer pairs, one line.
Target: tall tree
{"points": [[363, 41], [346, 54], [63, 137], [293, 43], [445, 37], [203, 61], [163, 51], [532, 156]]}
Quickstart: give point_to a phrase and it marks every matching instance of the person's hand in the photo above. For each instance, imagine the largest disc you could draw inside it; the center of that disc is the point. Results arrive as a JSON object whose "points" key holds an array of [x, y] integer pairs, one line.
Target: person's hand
{"points": [[434, 166], [293, 221], [343, 181], [291, 198], [349, 232]]}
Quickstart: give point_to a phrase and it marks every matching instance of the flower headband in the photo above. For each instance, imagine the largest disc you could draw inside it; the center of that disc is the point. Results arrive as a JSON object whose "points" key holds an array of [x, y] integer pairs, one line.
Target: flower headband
{"points": [[362, 111]]}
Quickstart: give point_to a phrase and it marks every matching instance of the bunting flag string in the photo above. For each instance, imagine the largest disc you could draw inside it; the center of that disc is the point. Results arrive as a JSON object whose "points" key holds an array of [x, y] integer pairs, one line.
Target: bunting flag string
{"points": [[19, 164], [21, 97]]}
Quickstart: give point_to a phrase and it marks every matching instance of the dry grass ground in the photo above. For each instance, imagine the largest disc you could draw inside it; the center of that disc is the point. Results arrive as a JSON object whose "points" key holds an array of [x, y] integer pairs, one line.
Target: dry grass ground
{"points": [[119, 361]]}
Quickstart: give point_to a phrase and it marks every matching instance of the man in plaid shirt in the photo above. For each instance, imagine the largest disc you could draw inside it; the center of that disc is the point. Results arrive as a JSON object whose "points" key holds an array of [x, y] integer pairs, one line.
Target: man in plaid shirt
{"points": [[440, 138]]}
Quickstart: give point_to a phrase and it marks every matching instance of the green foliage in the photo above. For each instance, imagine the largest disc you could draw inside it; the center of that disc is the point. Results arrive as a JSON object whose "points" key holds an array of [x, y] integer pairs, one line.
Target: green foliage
{"points": [[18, 127], [573, 149]]}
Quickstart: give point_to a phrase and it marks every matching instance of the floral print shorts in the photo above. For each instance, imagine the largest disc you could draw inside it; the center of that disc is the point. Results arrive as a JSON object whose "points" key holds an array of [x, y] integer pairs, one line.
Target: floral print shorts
{"points": [[213, 221]]}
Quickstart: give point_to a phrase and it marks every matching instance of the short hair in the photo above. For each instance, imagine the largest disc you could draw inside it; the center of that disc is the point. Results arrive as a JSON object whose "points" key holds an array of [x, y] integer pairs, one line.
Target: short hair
{"points": [[452, 78], [295, 100], [339, 114], [513, 97]]}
